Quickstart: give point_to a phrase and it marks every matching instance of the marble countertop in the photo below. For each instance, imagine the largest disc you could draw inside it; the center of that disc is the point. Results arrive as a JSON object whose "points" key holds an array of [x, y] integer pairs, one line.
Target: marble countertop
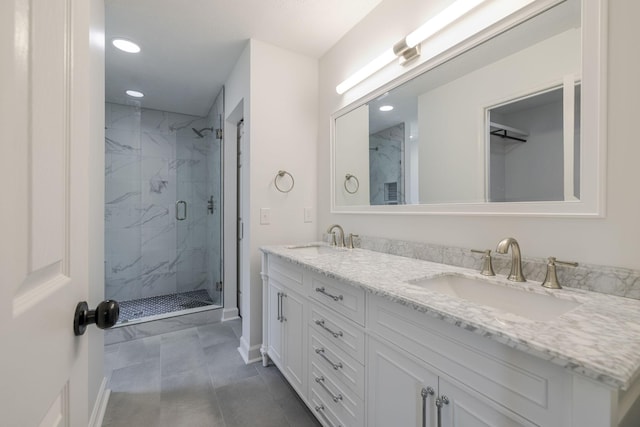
{"points": [[599, 339]]}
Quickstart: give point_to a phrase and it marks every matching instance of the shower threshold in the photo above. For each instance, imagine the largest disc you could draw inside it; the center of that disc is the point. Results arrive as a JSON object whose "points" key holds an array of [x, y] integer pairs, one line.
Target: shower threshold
{"points": [[164, 306]]}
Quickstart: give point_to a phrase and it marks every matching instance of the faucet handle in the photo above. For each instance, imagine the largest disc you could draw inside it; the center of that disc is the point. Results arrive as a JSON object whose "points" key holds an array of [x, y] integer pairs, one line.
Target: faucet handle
{"points": [[551, 278], [350, 240], [487, 265]]}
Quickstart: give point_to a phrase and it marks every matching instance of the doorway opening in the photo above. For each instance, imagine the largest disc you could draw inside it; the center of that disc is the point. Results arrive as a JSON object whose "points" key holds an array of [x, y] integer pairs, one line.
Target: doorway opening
{"points": [[163, 211]]}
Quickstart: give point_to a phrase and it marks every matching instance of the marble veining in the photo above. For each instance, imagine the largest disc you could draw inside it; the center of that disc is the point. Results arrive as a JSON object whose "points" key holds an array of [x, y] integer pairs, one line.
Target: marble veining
{"points": [[152, 160], [386, 166], [599, 339], [617, 281]]}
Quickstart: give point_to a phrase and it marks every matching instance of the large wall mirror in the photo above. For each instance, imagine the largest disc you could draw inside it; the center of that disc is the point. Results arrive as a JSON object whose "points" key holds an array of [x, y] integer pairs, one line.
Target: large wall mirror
{"points": [[512, 124]]}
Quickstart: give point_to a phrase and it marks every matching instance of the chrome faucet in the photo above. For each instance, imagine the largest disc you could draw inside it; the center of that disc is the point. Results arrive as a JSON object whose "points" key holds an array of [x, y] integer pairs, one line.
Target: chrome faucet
{"points": [[516, 259], [334, 241]]}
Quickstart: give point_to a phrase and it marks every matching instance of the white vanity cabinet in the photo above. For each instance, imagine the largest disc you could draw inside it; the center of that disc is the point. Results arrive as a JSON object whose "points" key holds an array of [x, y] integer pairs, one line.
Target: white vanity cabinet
{"points": [[403, 390], [400, 389], [485, 383], [285, 320], [336, 351], [358, 359]]}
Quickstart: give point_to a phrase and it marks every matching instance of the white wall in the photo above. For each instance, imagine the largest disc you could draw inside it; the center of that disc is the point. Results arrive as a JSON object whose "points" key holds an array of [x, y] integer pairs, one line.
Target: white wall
{"points": [[281, 110], [236, 107], [613, 240], [454, 113], [534, 170]]}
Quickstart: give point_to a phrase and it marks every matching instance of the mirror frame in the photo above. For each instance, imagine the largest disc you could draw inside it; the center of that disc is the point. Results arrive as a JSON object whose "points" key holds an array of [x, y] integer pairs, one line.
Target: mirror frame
{"points": [[593, 121]]}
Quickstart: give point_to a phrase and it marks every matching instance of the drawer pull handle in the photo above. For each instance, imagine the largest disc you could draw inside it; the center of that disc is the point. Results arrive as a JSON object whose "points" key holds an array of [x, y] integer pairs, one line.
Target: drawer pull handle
{"points": [[335, 334], [333, 297], [320, 410], [335, 366], [336, 398]]}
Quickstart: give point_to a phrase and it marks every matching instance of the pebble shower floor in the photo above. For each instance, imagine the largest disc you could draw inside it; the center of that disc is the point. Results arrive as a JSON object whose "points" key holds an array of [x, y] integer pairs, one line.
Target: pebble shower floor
{"points": [[153, 306]]}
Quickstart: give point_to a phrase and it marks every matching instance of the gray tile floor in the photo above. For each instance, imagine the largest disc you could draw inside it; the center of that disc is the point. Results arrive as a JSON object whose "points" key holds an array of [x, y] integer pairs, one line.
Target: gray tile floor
{"points": [[196, 377]]}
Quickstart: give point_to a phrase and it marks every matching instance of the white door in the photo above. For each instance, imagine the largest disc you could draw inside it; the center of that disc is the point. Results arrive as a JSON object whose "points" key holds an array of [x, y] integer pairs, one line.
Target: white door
{"points": [[401, 390], [465, 408], [274, 323], [45, 137], [295, 342]]}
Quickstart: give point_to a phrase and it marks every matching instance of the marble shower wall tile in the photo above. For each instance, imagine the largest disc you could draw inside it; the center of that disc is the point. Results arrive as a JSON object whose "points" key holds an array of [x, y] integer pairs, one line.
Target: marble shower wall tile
{"points": [[122, 116], [386, 164], [153, 159], [609, 280]]}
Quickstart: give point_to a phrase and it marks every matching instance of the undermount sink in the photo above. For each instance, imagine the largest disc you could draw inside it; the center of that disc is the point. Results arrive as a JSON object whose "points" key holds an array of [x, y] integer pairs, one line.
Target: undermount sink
{"points": [[313, 249], [531, 305]]}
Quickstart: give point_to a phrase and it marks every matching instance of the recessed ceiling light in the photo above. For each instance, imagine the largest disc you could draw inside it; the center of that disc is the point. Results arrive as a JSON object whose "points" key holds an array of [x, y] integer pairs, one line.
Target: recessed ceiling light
{"points": [[135, 93], [386, 108], [126, 45]]}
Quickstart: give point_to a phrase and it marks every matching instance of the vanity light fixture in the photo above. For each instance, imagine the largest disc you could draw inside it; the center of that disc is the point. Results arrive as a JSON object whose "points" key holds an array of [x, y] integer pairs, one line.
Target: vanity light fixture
{"points": [[408, 48], [134, 93], [386, 108], [441, 20], [369, 69], [126, 45]]}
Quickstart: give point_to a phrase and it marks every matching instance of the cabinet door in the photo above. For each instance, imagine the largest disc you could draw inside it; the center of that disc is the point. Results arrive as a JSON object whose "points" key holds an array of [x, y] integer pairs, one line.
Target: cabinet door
{"points": [[395, 389], [467, 408], [295, 344], [274, 325]]}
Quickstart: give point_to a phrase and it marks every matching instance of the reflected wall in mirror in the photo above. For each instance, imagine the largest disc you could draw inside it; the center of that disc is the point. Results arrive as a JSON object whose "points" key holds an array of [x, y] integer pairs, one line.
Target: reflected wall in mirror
{"points": [[497, 123]]}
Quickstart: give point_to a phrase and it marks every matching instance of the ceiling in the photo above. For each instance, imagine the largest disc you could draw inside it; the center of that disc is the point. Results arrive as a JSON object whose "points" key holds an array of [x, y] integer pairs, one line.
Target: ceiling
{"points": [[189, 47]]}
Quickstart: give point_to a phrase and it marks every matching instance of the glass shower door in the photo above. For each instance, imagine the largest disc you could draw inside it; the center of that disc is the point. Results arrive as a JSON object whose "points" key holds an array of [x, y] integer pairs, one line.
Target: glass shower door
{"points": [[199, 212]]}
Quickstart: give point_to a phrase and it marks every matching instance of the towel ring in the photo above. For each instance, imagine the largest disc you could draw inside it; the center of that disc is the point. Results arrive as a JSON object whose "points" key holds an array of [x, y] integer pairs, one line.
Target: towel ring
{"points": [[280, 174], [347, 178]]}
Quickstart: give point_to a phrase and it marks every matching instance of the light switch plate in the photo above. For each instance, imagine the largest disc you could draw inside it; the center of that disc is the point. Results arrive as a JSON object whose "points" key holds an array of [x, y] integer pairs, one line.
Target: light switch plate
{"points": [[265, 216], [308, 217]]}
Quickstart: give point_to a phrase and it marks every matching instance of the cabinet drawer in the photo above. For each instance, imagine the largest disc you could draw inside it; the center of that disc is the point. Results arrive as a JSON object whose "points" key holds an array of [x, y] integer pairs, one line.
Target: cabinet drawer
{"points": [[287, 274], [323, 411], [341, 401], [511, 379], [336, 362], [339, 331], [346, 300]]}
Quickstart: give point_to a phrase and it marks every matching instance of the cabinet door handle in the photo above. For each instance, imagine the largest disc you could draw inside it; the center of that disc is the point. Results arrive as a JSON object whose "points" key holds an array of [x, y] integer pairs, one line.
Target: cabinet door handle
{"points": [[279, 306], [320, 410], [184, 204], [335, 397], [425, 393], [282, 318], [335, 334], [336, 366], [440, 402], [333, 297]]}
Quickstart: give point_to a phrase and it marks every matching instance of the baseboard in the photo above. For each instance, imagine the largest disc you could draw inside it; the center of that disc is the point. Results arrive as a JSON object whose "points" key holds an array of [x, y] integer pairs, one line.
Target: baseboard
{"points": [[249, 354], [230, 314], [100, 406]]}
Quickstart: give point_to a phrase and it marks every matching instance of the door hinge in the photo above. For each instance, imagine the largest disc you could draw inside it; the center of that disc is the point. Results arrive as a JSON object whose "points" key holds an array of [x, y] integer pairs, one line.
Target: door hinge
{"points": [[219, 134]]}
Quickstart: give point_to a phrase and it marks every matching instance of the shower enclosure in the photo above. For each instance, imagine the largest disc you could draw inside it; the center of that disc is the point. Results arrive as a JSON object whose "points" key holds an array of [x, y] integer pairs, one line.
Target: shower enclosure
{"points": [[163, 211]]}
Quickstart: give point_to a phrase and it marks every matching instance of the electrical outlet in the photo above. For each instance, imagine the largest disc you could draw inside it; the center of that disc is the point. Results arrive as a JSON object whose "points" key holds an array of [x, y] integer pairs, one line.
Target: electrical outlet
{"points": [[265, 216], [308, 215]]}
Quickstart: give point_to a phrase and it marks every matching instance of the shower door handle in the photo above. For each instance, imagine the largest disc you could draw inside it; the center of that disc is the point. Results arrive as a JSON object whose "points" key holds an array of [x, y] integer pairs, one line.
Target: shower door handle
{"points": [[184, 216]]}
